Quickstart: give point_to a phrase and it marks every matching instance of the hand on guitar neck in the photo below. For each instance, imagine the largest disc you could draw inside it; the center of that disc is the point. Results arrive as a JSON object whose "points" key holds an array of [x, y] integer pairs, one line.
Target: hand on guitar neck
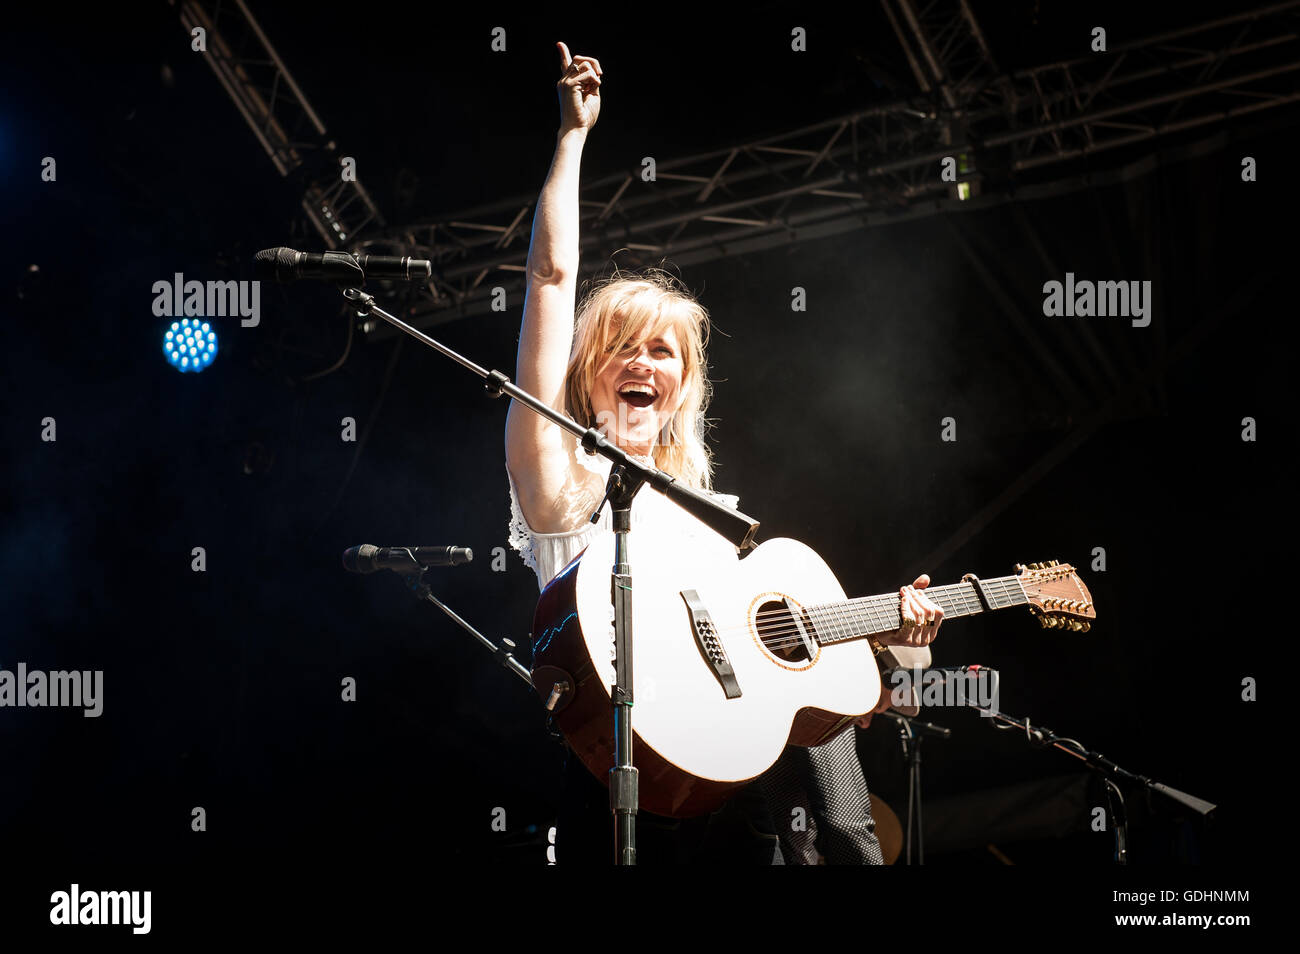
{"points": [[921, 619]]}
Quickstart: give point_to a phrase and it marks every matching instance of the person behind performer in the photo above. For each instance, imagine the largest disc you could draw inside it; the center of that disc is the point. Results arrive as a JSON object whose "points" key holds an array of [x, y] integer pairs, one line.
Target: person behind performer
{"points": [[632, 362]]}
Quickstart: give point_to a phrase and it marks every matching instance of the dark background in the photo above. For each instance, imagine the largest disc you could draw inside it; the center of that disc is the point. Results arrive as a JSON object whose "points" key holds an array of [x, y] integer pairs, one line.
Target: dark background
{"points": [[222, 689]]}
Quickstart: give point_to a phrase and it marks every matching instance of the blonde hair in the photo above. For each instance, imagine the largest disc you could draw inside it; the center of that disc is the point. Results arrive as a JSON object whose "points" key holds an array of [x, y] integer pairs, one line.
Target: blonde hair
{"points": [[619, 312]]}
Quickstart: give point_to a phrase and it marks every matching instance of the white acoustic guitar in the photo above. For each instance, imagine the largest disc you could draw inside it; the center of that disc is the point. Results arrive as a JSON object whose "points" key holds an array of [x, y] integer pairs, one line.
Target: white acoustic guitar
{"points": [[734, 660]]}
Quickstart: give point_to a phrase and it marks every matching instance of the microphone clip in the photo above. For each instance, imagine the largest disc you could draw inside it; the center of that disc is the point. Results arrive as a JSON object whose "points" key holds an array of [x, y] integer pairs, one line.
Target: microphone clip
{"points": [[364, 301]]}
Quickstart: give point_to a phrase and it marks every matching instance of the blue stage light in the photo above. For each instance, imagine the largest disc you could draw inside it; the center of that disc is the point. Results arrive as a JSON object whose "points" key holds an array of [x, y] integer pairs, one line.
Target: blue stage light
{"points": [[190, 344]]}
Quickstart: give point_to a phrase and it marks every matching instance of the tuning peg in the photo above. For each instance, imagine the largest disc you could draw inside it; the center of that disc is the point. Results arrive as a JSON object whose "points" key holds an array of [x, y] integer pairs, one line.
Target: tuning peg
{"points": [[1087, 626], [1075, 625], [1051, 563]]}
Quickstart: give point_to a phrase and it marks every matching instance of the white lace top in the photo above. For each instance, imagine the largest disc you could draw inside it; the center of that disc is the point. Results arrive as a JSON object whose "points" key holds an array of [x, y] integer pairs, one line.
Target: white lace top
{"points": [[549, 553]]}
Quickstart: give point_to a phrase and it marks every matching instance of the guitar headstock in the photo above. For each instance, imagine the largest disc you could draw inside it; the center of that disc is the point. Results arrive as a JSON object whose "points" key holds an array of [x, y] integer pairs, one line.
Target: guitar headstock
{"points": [[1057, 596]]}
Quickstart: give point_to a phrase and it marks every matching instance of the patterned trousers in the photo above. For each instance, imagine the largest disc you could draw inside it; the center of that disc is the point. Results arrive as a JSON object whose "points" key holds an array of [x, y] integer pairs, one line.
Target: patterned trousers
{"points": [[818, 801], [812, 800]]}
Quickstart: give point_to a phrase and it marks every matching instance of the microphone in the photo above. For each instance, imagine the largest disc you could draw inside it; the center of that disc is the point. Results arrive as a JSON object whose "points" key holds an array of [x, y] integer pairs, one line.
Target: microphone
{"points": [[286, 265], [945, 671], [984, 696], [368, 559]]}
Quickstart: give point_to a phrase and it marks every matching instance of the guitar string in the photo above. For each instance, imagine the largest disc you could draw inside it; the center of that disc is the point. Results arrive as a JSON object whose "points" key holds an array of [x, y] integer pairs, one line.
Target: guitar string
{"points": [[775, 638], [961, 591], [884, 603], [834, 615]]}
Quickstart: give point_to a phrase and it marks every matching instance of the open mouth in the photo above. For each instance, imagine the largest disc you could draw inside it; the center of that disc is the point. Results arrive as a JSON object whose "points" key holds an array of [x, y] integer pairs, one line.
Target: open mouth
{"points": [[638, 395]]}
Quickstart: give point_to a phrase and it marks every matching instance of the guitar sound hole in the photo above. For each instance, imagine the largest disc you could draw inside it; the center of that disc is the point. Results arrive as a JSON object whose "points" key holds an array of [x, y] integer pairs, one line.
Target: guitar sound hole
{"points": [[779, 633]]}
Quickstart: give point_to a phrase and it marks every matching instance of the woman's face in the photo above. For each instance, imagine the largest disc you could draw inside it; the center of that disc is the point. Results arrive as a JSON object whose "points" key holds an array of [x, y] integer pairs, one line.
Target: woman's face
{"points": [[637, 392]]}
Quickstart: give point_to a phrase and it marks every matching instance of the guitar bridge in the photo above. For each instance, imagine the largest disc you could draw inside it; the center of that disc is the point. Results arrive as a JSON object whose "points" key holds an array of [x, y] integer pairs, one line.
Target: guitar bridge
{"points": [[706, 638]]}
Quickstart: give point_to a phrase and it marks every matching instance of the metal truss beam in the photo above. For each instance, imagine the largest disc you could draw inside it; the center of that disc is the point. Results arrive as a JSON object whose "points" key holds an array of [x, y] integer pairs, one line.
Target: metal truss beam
{"points": [[264, 92], [882, 163]]}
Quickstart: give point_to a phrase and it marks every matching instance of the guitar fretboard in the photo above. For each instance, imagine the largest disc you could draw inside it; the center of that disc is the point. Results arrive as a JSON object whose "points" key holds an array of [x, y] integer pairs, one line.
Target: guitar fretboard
{"points": [[869, 615]]}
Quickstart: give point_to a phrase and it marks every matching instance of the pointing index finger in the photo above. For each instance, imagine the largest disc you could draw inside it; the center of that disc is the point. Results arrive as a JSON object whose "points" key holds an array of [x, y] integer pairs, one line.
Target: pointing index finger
{"points": [[565, 59]]}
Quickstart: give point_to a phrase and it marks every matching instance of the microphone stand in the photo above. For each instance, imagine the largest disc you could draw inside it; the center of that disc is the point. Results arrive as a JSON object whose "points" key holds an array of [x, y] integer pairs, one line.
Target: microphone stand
{"points": [[414, 580], [912, 755], [911, 732], [1106, 769], [626, 477]]}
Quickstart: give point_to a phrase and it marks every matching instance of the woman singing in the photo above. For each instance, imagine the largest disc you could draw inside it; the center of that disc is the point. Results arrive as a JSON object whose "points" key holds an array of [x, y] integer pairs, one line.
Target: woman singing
{"points": [[631, 362]]}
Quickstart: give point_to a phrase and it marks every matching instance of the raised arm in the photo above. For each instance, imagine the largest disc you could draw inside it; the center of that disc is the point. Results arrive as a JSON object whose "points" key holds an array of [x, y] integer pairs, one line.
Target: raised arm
{"points": [[536, 450]]}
